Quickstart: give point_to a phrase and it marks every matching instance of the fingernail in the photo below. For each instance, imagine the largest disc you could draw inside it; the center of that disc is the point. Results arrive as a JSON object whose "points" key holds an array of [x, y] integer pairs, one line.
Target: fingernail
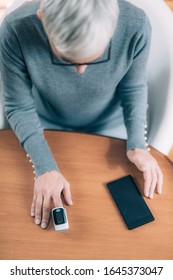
{"points": [[32, 214], [43, 225], [151, 196], [37, 222]]}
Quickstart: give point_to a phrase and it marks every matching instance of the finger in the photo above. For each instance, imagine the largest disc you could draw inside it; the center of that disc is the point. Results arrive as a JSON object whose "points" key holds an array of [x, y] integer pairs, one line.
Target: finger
{"points": [[153, 182], [67, 194], [160, 180], [38, 209], [57, 200], [147, 182], [46, 212], [33, 207]]}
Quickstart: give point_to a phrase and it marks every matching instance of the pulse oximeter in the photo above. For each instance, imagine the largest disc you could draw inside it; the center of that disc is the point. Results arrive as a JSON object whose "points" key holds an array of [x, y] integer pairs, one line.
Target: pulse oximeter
{"points": [[60, 219]]}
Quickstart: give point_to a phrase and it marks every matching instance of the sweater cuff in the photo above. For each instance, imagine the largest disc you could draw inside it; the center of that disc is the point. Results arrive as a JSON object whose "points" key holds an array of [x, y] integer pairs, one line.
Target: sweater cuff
{"points": [[40, 155], [137, 136]]}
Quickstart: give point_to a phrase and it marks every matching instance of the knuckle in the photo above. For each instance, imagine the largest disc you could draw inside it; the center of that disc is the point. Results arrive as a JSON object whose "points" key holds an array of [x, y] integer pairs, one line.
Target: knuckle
{"points": [[143, 166], [38, 209], [146, 186], [37, 215], [38, 206], [46, 209], [45, 219], [46, 192]]}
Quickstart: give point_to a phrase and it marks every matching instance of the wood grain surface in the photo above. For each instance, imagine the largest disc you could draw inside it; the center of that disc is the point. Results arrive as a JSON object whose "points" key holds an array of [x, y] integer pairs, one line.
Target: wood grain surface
{"points": [[169, 3], [97, 230]]}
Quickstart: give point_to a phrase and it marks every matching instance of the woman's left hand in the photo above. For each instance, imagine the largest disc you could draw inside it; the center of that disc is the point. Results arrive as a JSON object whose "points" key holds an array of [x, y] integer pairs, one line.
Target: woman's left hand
{"points": [[153, 176]]}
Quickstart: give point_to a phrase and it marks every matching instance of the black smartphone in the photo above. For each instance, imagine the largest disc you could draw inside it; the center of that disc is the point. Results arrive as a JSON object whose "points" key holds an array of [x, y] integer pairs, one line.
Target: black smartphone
{"points": [[130, 202]]}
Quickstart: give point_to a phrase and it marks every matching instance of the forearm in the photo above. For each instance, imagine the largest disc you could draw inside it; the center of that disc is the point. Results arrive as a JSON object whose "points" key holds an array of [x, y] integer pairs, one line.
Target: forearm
{"points": [[40, 155], [28, 129], [135, 118]]}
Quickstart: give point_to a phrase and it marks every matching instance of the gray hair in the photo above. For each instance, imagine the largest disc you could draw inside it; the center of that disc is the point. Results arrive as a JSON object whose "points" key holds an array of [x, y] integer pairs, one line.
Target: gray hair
{"points": [[79, 28]]}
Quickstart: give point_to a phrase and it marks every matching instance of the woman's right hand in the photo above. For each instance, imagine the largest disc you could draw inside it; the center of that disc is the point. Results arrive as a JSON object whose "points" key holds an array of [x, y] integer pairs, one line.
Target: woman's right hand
{"points": [[49, 186]]}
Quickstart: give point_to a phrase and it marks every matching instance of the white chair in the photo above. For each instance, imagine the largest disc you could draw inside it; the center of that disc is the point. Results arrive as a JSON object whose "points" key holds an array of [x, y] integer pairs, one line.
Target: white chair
{"points": [[160, 75]]}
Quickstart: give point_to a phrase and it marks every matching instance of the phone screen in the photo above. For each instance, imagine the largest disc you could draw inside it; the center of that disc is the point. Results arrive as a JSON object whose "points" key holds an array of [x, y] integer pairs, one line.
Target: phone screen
{"points": [[130, 202]]}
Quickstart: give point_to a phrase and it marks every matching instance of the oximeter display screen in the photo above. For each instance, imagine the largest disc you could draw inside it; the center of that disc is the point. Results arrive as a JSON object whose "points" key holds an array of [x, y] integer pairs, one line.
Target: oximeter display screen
{"points": [[59, 217]]}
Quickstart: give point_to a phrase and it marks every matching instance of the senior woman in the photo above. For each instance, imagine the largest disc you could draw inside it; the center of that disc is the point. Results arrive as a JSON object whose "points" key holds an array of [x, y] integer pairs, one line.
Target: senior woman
{"points": [[76, 65]]}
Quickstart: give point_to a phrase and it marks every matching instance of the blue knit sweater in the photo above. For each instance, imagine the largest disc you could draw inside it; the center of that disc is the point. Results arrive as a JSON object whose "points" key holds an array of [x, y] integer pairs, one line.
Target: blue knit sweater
{"points": [[39, 93]]}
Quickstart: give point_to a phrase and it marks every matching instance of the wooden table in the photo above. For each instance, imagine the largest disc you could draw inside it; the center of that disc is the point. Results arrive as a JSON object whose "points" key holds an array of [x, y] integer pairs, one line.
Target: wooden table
{"points": [[97, 230], [169, 3]]}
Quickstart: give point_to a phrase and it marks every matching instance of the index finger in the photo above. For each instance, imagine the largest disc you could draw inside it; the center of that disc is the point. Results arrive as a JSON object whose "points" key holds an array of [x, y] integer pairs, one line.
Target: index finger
{"points": [[57, 200]]}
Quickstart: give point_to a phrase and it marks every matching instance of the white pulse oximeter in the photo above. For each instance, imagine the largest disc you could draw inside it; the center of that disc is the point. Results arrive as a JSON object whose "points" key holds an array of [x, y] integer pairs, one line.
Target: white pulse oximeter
{"points": [[60, 219]]}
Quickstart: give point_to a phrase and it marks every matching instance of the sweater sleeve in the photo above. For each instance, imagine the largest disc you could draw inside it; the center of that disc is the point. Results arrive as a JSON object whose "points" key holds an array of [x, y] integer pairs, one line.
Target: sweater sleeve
{"points": [[19, 103], [133, 90]]}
